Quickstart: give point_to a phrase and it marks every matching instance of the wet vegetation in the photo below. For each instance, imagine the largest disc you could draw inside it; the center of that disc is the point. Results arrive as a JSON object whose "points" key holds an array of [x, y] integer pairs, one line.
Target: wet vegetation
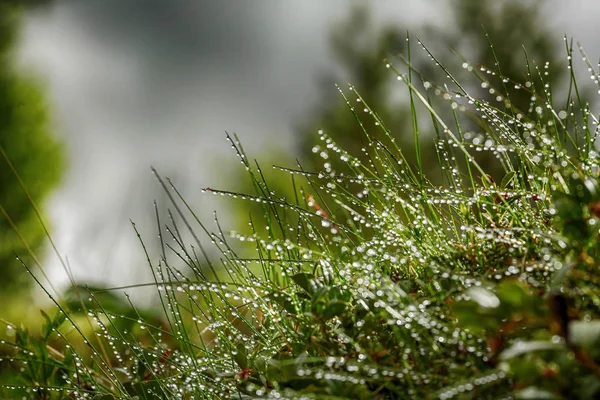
{"points": [[374, 282]]}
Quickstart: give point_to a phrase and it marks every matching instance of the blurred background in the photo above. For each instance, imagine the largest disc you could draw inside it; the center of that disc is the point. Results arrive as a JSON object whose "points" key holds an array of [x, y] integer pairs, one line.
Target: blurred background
{"points": [[95, 92]]}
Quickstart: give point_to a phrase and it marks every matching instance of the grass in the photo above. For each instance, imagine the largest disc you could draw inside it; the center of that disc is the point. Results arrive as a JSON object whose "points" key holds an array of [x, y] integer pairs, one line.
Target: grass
{"points": [[370, 284]]}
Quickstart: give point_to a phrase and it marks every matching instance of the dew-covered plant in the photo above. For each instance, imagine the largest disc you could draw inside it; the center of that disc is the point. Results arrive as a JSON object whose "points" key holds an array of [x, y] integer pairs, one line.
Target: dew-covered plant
{"points": [[371, 284]]}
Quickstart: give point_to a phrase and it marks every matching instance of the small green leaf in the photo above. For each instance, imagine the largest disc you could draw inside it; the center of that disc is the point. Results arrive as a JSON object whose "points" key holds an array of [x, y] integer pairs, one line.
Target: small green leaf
{"points": [[46, 316], [68, 360], [52, 324], [508, 179], [487, 181], [514, 294], [320, 294], [22, 337], [241, 356], [473, 317], [305, 281], [289, 306], [334, 308], [286, 303]]}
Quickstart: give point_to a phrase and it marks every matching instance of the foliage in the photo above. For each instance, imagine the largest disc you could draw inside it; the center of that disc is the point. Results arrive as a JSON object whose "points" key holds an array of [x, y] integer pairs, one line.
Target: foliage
{"points": [[476, 289], [359, 45], [28, 147]]}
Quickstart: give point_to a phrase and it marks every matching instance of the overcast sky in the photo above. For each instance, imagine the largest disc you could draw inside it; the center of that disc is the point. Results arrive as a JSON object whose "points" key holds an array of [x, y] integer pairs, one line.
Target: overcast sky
{"points": [[156, 82]]}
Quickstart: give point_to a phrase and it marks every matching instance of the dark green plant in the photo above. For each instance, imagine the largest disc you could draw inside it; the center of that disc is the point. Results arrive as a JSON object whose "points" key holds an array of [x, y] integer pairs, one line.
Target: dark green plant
{"points": [[27, 148]]}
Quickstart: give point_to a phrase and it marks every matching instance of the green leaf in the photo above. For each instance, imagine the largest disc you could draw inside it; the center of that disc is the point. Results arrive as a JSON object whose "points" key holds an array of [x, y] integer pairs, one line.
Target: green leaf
{"points": [[305, 281], [286, 303], [487, 181], [22, 337], [514, 294], [526, 370], [241, 356], [289, 306], [320, 294], [334, 308], [471, 316], [52, 324], [584, 334], [508, 179], [46, 316], [46, 327]]}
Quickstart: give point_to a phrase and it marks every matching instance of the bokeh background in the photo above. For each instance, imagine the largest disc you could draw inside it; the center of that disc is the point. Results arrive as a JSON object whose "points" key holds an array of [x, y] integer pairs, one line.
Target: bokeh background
{"points": [[129, 84]]}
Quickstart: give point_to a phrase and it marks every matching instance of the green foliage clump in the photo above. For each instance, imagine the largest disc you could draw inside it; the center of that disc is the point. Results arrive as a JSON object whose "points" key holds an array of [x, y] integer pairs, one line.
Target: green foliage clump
{"points": [[373, 283], [359, 44], [27, 146]]}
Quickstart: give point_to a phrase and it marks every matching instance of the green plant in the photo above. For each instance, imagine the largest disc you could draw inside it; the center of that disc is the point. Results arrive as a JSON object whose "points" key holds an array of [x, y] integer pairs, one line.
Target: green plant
{"points": [[27, 146], [373, 283]]}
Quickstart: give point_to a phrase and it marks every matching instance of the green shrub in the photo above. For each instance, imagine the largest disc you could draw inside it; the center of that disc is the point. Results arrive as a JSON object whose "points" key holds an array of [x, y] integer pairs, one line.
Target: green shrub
{"points": [[372, 284]]}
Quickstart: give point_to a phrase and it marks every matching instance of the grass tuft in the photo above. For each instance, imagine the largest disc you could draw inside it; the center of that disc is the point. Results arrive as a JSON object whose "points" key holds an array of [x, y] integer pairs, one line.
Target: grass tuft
{"points": [[372, 283]]}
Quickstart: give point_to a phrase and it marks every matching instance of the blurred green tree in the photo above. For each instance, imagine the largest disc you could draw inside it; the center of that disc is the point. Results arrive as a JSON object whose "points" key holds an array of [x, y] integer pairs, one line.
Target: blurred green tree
{"points": [[27, 141]]}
